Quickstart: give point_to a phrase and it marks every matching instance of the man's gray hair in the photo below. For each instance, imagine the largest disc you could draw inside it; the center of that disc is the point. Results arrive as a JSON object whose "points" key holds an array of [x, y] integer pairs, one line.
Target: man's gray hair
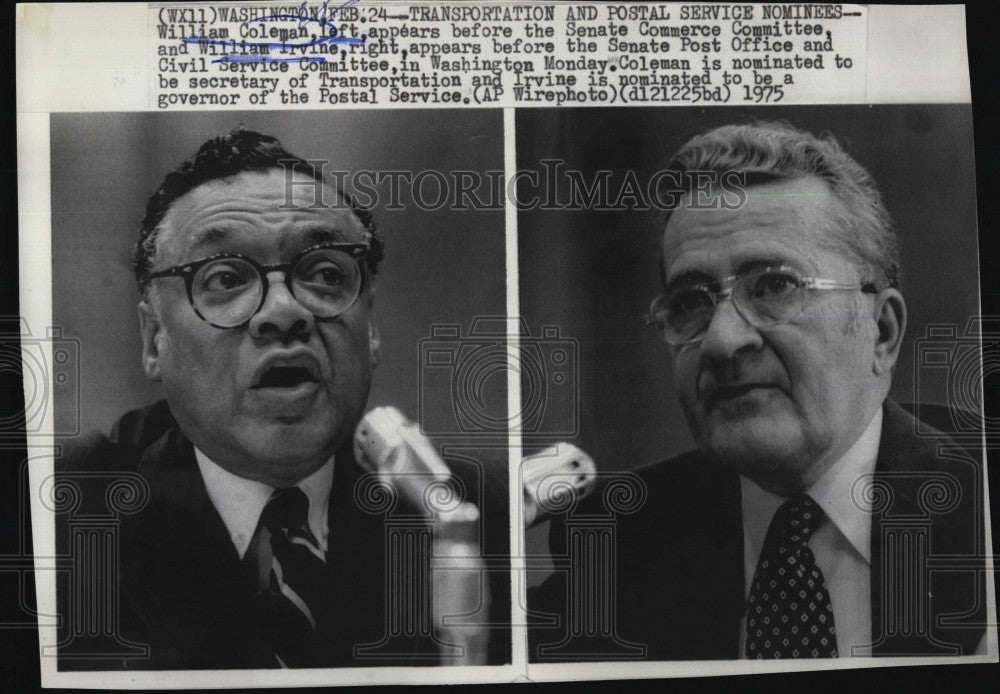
{"points": [[766, 151]]}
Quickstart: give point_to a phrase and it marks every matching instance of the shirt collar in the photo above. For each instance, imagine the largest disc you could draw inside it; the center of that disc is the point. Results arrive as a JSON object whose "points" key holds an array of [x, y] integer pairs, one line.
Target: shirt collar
{"points": [[850, 513], [833, 491], [240, 501]]}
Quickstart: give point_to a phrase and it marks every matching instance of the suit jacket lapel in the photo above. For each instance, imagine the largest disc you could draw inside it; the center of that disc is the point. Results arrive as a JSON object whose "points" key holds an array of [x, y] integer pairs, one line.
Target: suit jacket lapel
{"points": [[184, 576], [359, 571], [913, 526], [355, 575], [718, 570], [695, 586]]}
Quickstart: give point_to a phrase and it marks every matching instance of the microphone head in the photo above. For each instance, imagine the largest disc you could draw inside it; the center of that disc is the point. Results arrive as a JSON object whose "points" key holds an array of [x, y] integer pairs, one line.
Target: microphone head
{"points": [[391, 446], [385, 441], [555, 479], [378, 435]]}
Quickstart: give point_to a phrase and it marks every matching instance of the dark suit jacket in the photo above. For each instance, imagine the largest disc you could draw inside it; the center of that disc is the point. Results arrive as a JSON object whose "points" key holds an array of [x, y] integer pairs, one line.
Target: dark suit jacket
{"points": [[182, 589], [678, 563]]}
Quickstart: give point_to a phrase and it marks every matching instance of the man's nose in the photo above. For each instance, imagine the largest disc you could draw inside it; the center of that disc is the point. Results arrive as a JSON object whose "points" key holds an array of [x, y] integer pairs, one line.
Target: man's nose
{"points": [[728, 333], [281, 315]]}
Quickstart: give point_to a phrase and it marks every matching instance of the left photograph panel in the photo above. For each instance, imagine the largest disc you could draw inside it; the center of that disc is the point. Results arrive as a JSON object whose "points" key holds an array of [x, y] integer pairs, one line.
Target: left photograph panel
{"points": [[265, 455]]}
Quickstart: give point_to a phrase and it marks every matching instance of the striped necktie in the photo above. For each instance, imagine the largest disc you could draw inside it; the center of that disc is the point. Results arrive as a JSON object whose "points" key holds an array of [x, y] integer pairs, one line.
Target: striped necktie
{"points": [[789, 614], [290, 569]]}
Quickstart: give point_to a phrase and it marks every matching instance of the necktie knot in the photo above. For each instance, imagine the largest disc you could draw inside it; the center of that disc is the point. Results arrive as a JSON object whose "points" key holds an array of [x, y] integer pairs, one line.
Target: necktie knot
{"points": [[287, 509], [794, 522]]}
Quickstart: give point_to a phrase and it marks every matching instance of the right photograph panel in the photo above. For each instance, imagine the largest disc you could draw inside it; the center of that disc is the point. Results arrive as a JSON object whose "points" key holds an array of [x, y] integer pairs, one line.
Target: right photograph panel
{"points": [[770, 445]]}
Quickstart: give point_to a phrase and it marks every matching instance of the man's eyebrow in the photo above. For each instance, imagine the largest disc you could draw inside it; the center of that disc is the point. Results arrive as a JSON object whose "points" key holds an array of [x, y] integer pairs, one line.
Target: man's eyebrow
{"points": [[323, 234], [212, 235], [699, 277], [687, 278], [759, 264]]}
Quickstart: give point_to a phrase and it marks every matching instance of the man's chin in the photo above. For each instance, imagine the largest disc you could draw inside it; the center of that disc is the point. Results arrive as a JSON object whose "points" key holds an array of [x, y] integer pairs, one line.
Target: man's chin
{"points": [[287, 435], [752, 443], [285, 441], [286, 465]]}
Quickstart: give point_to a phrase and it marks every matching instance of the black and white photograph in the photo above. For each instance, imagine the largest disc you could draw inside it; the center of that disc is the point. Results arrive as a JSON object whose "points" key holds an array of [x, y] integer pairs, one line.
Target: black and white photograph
{"points": [[248, 301], [776, 313], [381, 342]]}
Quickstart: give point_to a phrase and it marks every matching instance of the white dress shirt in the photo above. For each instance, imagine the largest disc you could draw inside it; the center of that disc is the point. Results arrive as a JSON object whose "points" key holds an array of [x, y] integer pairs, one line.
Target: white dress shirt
{"points": [[841, 543], [240, 501]]}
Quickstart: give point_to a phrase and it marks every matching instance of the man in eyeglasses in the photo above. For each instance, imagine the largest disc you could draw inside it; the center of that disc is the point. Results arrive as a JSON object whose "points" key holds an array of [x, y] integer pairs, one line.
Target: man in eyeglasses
{"points": [[256, 315], [256, 311], [784, 535]]}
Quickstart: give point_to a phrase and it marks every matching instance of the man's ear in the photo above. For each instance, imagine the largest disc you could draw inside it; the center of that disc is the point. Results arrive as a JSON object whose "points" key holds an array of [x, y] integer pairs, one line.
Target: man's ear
{"points": [[152, 333], [890, 319]]}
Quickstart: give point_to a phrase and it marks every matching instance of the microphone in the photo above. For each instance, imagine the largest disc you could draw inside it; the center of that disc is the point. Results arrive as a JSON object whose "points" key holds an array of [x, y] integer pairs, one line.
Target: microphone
{"points": [[391, 446], [553, 478]]}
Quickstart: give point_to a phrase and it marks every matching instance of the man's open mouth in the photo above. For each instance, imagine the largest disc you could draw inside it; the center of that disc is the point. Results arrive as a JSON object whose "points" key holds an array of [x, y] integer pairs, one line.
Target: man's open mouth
{"points": [[287, 372], [286, 377]]}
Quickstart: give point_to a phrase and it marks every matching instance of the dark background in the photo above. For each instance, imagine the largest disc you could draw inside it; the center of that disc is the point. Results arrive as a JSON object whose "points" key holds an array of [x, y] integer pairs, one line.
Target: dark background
{"points": [[594, 273], [20, 646]]}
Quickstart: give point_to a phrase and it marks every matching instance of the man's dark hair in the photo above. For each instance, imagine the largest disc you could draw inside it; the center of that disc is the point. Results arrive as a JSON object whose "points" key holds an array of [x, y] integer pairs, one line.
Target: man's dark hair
{"points": [[223, 157]]}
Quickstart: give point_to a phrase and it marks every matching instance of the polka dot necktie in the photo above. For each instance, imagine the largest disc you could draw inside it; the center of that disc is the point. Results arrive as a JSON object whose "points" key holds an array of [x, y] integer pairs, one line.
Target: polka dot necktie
{"points": [[290, 567], [789, 614]]}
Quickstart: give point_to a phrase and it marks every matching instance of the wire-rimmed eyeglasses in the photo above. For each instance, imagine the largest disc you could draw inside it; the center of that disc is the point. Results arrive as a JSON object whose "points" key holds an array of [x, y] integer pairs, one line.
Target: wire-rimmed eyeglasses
{"points": [[764, 298]]}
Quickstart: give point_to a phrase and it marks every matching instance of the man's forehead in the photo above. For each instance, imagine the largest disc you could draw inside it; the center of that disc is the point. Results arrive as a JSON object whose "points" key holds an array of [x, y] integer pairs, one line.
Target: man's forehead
{"points": [[761, 204], [261, 206], [785, 216]]}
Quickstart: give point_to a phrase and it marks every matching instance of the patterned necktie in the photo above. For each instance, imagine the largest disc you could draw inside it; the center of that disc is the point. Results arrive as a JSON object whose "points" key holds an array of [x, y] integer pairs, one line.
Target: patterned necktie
{"points": [[290, 571], [789, 614]]}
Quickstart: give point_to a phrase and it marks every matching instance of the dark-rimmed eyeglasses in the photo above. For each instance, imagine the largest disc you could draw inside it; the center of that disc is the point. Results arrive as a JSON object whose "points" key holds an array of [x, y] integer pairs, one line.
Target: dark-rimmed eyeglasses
{"points": [[764, 298], [228, 289]]}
